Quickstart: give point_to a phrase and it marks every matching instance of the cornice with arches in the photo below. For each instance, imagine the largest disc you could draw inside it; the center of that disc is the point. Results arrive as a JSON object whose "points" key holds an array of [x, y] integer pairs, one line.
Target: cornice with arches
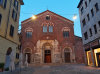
{"points": [[47, 24]]}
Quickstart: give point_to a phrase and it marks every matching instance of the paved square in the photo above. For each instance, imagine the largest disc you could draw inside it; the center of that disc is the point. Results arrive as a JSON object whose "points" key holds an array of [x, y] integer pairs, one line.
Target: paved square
{"points": [[57, 69]]}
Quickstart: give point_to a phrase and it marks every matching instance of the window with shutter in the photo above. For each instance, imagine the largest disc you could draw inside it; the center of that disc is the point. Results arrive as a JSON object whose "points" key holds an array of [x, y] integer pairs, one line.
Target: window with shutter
{"points": [[0, 19], [11, 31], [5, 3]]}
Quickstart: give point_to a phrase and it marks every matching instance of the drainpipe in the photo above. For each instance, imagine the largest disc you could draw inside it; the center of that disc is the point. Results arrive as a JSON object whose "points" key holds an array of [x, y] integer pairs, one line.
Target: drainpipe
{"points": [[8, 19]]}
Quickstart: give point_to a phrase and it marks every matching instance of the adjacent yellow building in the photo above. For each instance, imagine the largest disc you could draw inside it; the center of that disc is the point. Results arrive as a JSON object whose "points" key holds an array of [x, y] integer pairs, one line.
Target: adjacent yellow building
{"points": [[9, 22]]}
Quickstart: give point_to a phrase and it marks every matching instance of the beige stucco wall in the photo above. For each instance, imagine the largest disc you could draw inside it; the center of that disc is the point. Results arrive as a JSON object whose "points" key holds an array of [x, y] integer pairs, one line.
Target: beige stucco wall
{"points": [[4, 13], [6, 40], [4, 45], [4, 20]]}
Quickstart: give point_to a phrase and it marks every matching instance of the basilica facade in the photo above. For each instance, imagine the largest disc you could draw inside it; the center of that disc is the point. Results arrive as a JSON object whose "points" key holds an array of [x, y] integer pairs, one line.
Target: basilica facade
{"points": [[49, 38]]}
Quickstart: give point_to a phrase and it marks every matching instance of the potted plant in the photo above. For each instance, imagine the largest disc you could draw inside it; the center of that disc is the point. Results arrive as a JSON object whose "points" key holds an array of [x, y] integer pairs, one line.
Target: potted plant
{"points": [[1, 67]]}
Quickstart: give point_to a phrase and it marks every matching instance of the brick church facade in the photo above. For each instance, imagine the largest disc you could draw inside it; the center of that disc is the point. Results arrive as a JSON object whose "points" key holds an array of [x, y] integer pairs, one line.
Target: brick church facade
{"points": [[50, 39]]}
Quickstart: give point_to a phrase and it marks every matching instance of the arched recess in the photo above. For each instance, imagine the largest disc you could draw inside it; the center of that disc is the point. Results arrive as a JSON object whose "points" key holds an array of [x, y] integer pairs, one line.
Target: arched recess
{"points": [[28, 52], [47, 52], [67, 54], [7, 61]]}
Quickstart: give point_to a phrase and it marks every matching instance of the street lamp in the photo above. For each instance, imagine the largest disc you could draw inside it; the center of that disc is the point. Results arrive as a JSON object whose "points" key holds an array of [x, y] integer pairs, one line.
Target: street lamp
{"points": [[74, 17], [34, 17]]}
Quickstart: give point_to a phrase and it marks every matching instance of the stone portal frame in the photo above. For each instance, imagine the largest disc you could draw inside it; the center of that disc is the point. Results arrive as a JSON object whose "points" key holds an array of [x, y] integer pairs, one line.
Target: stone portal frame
{"points": [[43, 51], [70, 50], [40, 51]]}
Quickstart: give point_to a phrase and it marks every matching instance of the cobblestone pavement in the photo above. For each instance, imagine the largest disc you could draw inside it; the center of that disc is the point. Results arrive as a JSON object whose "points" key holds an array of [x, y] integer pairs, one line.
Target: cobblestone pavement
{"points": [[57, 69]]}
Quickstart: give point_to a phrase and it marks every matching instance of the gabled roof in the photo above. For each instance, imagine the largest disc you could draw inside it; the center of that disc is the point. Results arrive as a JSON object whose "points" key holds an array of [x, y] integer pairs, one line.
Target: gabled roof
{"points": [[52, 13]]}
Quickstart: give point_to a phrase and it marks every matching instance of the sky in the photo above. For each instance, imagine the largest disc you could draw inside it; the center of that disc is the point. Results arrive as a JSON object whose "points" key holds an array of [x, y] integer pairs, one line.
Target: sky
{"points": [[65, 8]]}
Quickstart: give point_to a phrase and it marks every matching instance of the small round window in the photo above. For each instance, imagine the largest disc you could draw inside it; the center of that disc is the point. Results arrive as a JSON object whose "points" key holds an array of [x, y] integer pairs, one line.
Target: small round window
{"points": [[47, 17]]}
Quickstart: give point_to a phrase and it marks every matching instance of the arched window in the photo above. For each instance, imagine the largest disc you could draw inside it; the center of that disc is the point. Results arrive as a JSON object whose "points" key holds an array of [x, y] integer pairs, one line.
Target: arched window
{"points": [[28, 34], [45, 28], [66, 31], [47, 17], [50, 28], [11, 33], [65, 34], [0, 18]]}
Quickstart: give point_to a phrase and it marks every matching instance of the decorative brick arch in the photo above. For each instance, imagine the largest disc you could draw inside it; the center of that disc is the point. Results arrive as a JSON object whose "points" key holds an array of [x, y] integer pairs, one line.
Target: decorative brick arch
{"points": [[65, 29], [67, 48], [27, 50], [47, 23], [29, 29], [40, 43], [47, 44]]}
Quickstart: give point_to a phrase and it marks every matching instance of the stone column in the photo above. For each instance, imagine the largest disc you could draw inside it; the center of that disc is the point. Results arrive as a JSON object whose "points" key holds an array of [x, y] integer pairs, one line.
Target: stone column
{"points": [[53, 55], [32, 58], [92, 56], [74, 59], [61, 54]]}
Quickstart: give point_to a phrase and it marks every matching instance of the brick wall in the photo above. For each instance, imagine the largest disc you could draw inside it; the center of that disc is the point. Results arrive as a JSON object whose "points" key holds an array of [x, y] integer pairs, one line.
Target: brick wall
{"points": [[58, 22]]}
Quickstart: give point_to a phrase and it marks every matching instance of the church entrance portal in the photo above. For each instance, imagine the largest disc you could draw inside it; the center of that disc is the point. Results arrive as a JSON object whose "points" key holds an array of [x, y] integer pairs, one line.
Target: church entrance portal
{"points": [[47, 49], [47, 58]]}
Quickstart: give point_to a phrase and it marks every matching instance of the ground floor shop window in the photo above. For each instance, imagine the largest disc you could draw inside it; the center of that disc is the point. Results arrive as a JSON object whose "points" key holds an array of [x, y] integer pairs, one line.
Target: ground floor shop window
{"points": [[89, 58], [97, 56]]}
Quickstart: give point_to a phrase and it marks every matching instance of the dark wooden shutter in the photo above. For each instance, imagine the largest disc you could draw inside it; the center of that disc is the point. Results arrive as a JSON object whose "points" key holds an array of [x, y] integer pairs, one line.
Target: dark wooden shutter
{"points": [[0, 18], [5, 3], [11, 30]]}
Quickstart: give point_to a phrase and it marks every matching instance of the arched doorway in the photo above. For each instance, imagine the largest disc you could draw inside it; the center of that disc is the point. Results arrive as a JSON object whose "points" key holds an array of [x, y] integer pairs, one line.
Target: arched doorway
{"points": [[47, 49], [67, 55], [27, 52], [7, 62]]}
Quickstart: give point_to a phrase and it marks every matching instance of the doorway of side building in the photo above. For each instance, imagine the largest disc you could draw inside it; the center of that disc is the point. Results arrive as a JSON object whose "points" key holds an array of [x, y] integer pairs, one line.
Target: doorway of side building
{"points": [[28, 57], [67, 55], [98, 59], [7, 62], [47, 58], [28, 52]]}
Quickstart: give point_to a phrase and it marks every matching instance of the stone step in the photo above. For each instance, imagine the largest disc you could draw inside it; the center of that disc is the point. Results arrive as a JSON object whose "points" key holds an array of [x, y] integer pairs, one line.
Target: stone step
{"points": [[50, 64]]}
